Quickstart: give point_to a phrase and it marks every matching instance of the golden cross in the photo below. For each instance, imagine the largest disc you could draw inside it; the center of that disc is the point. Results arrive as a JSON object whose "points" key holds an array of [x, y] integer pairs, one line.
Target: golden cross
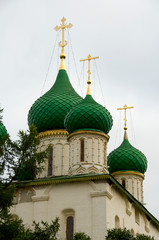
{"points": [[63, 43], [89, 58], [125, 120]]}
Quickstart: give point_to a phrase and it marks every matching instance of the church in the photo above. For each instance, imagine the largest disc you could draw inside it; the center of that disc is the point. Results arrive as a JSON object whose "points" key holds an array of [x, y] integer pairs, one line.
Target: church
{"points": [[89, 191]]}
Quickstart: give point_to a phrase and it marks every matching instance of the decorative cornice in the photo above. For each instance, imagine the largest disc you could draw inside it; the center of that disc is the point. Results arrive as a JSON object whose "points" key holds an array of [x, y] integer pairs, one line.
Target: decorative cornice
{"points": [[101, 194], [40, 198], [88, 132], [53, 132], [128, 173]]}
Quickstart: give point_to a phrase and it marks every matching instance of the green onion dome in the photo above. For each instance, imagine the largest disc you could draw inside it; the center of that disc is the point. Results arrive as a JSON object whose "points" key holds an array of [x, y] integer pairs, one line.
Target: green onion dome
{"points": [[127, 158], [3, 130], [88, 115], [48, 112]]}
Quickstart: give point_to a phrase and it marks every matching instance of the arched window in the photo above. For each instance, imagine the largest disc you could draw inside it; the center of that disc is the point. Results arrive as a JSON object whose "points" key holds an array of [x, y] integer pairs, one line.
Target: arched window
{"points": [[123, 183], [132, 232], [117, 222], [137, 217], [50, 160], [69, 228], [82, 150], [105, 154]]}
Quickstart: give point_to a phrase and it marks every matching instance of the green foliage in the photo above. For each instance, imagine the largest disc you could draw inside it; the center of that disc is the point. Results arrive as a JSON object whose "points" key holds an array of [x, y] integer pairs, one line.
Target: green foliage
{"points": [[14, 229], [118, 233], [143, 237], [20, 160], [1, 110], [81, 236], [125, 234]]}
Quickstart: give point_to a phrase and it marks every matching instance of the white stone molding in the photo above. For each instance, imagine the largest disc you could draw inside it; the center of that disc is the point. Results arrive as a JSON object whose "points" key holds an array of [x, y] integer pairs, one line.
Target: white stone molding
{"points": [[101, 194], [40, 198]]}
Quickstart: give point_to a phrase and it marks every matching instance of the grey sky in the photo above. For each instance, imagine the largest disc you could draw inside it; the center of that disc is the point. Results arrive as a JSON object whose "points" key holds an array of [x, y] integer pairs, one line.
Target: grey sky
{"points": [[124, 34]]}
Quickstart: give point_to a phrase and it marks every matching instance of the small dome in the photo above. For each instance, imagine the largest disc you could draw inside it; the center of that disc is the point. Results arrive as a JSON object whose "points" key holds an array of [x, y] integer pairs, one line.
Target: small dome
{"points": [[88, 115], [48, 112], [127, 158], [3, 130]]}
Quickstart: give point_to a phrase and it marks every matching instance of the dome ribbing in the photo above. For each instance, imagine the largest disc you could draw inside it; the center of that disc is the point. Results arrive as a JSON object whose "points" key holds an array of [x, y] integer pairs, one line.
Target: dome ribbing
{"points": [[48, 112], [127, 158], [88, 114]]}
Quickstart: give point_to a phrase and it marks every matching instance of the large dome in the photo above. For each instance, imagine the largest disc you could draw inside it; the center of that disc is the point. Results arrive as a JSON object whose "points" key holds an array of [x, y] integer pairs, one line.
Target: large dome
{"points": [[48, 112], [127, 158], [88, 115]]}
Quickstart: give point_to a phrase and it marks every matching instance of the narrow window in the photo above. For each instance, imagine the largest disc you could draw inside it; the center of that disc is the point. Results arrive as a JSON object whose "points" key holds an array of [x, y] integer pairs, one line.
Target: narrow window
{"points": [[132, 232], [117, 222], [137, 217], [105, 154], [69, 228], [50, 161], [82, 150], [123, 183]]}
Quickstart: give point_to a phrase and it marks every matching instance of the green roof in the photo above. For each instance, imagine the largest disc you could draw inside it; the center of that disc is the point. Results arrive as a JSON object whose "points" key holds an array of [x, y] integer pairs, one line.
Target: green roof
{"points": [[127, 158], [3, 130], [48, 112], [88, 114]]}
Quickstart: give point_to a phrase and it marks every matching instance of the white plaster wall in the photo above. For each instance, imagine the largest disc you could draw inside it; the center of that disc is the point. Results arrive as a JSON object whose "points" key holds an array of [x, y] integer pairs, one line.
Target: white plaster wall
{"points": [[93, 204], [95, 153], [126, 214], [60, 165], [51, 201]]}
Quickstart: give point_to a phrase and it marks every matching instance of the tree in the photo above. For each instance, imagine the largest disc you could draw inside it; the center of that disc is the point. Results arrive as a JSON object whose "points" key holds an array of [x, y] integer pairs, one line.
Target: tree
{"points": [[20, 160], [125, 234], [143, 237], [118, 233], [14, 229], [81, 236]]}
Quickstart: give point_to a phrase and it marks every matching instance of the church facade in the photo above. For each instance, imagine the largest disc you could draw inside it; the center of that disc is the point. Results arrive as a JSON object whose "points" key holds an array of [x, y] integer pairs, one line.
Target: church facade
{"points": [[87, 190]]}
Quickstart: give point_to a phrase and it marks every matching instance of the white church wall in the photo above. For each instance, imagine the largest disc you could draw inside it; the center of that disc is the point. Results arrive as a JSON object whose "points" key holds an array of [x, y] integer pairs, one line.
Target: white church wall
{"points": [[95, 206], [130, 216]]}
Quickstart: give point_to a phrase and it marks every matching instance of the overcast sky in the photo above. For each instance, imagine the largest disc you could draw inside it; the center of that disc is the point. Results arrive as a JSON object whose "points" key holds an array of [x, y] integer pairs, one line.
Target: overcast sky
{"points": [[125, 36]]}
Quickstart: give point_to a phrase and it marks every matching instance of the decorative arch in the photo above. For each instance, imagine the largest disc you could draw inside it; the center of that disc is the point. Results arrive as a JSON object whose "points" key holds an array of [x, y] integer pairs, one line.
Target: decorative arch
{"points": [[80, 170], [92, 170]]}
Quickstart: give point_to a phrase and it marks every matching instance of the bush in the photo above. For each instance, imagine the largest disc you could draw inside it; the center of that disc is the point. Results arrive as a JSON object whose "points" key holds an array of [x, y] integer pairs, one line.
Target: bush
{"points": [[81, 236]]}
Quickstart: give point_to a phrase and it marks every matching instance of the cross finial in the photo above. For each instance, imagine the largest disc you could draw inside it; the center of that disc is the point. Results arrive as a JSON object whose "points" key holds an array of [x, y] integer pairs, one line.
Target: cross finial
{"points": [[63, 43], [89, 58], [125, 120]]}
